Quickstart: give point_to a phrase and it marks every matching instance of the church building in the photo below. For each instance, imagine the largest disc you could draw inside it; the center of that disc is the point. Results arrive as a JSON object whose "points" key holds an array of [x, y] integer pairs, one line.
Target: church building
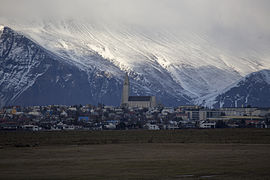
{"points": [[136, 101]]}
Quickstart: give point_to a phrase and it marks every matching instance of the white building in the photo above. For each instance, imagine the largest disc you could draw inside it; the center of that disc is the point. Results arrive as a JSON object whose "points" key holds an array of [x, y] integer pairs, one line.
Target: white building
{"points": [[152, 126], [238, 111], [31, 127], [207, 125]]}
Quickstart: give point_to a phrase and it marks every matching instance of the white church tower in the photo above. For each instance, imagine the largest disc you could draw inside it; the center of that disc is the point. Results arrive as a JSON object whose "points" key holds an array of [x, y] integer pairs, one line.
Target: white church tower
{"points": [[125, 93]]}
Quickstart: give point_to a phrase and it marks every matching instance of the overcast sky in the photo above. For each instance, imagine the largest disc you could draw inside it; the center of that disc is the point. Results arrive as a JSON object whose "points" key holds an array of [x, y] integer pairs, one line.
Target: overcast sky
{"points": [[229, 12], [235, 19]]}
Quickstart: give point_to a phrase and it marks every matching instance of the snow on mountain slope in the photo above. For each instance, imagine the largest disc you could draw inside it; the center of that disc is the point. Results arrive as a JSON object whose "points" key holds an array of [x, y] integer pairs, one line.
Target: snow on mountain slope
{"points": [[254, 89], [1, 29], [32, 75], [187, 63]]}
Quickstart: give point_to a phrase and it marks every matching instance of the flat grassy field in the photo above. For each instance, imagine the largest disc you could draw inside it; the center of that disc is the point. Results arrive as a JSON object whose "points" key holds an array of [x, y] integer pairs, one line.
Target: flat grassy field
{"points": [[182, 154]]}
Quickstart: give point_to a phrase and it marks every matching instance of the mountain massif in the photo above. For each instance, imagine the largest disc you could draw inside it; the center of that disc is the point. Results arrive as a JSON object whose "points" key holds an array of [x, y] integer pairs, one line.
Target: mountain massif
{"points": [[31, 75], [252, 90], [72, 63]]}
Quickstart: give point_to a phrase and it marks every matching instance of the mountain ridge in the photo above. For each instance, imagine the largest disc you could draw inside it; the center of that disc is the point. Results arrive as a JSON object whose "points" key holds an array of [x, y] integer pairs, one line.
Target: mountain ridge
{"points": [[252, 90], [98, 86], [26, 67], [172, 83]]}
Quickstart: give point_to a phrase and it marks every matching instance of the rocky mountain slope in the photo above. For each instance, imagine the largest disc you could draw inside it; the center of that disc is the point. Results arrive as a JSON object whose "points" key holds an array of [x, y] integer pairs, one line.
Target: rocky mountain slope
{"points": [[32, 75], [87, 62], [253, 90]]}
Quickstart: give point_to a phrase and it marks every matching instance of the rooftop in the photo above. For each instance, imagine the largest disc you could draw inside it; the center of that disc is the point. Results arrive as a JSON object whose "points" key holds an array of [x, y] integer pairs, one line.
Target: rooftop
{"points": [[139, 98]]}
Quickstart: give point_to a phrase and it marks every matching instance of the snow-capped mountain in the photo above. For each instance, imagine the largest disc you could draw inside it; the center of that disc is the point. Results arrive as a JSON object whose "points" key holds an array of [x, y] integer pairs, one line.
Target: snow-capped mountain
{"points": [[32, 75], [254, 90], [177, 67]]}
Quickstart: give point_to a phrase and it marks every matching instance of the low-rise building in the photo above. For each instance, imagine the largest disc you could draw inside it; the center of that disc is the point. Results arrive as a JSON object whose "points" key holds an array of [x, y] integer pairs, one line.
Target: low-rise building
{"points": [[207, 125], [152, 126]]}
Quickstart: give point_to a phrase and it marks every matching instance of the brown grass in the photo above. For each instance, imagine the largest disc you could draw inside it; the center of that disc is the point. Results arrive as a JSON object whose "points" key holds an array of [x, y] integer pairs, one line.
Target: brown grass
{"points": [[216, 157], [213, 136]]}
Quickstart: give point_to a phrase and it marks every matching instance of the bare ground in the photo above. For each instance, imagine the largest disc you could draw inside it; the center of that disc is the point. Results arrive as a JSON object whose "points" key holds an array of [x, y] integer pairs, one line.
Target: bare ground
{"points": [[134, 160]]}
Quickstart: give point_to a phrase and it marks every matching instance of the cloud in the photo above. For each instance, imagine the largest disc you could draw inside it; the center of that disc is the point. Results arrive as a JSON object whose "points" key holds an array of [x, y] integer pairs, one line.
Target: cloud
{"points": [[230, 12], [231, 23]]}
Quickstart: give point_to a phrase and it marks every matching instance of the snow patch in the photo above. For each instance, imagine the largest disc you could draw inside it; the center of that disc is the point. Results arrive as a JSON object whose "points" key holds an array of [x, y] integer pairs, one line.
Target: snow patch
{"points": [[67, 77], [1, 29]]}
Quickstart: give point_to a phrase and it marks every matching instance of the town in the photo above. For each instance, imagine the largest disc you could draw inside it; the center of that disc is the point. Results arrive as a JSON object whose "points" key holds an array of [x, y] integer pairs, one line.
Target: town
{"points": [[135, 112], [101, 117]]}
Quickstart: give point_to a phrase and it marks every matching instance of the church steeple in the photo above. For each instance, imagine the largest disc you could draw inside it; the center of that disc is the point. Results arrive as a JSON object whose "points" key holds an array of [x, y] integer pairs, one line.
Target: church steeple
{"points": [[125, 93], [126, 82]]}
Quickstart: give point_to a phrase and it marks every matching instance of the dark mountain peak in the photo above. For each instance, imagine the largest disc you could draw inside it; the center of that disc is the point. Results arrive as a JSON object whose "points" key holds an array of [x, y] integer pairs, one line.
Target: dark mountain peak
{"points": [[263, 75], [253, 89], [6, 32]]}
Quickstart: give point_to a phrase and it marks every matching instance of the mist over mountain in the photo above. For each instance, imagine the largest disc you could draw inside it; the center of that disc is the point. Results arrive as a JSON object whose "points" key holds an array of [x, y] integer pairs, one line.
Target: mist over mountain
{"points": [[181, 51]]}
